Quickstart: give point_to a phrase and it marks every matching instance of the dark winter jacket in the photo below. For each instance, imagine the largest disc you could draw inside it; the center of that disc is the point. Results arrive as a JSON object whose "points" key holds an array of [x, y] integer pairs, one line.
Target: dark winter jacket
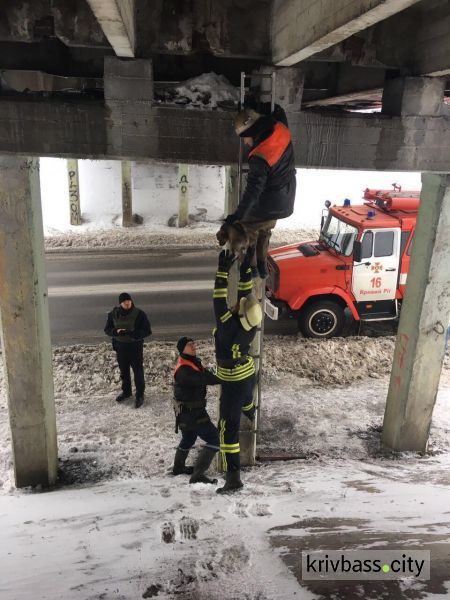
{"points": [[190, 381], [134, 321], [271, 183]]}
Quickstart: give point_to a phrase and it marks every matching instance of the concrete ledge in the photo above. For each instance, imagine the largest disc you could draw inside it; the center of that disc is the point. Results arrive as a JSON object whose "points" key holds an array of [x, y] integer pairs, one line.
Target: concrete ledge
{"points": [[140, 130]]}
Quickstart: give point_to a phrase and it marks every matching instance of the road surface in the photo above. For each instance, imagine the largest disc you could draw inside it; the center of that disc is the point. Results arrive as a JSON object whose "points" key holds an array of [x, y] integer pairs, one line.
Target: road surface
{"points": [[174, 287]]}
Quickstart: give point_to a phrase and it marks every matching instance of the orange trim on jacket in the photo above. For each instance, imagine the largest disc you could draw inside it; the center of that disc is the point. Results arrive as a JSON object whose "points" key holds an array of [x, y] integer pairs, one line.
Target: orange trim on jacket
{"points": [[181, 362], [272, 148]]}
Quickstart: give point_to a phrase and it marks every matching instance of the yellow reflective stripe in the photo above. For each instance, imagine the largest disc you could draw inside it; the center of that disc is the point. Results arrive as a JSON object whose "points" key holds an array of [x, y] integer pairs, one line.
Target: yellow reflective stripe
{"points": [[219, 294], [245, 286], [229, 445], [226, 316], [239, 368], [235, 451], [235, 351], [222, 274], [232, 378], [248, 406]]}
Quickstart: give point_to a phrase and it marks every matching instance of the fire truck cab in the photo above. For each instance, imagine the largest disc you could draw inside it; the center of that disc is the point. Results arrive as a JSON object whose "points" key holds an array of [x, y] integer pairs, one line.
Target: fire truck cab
{"points": [[360, 262]]}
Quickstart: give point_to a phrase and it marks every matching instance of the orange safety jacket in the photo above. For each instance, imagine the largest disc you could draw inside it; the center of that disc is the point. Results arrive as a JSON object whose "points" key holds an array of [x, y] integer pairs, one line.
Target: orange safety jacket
{"points": [[272, 148], [183, 362]]}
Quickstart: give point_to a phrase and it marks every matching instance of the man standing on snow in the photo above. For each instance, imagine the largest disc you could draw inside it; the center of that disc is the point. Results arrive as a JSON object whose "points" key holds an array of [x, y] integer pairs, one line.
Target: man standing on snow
{"points": [[128, 326], [270, 191], [235, 330], [190, 381]]}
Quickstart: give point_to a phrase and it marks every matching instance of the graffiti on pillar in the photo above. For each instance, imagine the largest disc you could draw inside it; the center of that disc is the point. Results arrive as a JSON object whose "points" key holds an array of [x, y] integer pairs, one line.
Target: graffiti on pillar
{"points": [[183, 183], [74, 197]]}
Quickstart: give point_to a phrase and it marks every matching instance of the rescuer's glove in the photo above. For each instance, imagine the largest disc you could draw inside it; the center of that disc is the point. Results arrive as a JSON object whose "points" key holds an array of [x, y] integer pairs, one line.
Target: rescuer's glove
{"points": [[246, 262], [226, 259]]}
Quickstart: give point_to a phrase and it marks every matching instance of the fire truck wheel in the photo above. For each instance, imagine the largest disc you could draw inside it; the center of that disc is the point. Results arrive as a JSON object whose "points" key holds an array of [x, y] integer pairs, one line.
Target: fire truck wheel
{"points": [[322, 319]]}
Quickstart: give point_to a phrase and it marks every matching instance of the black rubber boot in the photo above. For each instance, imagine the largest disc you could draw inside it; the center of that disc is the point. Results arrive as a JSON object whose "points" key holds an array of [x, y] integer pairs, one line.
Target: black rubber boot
{"points": [[179, 463], [139, 400], [123, 396], [204, 459], [233, 483]]}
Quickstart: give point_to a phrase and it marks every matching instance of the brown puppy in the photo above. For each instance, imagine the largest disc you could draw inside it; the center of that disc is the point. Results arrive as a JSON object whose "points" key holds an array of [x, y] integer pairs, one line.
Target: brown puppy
{"points": [[236, 235]]}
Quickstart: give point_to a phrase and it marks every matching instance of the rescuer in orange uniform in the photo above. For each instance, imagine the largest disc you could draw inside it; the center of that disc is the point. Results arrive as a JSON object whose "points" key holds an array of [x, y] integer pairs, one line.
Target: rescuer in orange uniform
{"points": [[270, 191]]}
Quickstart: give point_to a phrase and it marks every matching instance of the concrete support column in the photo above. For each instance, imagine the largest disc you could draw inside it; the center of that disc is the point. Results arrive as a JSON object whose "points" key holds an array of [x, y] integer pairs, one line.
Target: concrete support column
{"points": [[25, 324], [420, 346], [183, 195], [414, 96], [74, 192], [127, 201]]}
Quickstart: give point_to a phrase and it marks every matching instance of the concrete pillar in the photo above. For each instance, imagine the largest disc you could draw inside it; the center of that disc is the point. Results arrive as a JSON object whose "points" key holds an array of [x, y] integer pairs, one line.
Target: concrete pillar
{"points": [[420, 346], [183, 195], [288, 83], [414, 96], [127, 203], [25, 324], [74, 192]]}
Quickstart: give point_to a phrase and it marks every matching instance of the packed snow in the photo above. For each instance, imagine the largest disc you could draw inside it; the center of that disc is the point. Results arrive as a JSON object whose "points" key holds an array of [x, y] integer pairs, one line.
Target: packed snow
{"points": [[120, 526]]}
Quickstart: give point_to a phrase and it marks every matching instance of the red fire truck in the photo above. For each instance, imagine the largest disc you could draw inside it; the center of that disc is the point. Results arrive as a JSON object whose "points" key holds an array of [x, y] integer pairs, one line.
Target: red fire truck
{"points": [[359, 262]]}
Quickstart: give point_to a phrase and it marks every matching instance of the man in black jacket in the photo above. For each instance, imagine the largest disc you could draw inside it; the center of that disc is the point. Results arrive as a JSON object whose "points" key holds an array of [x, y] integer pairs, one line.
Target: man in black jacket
{"points": [[128, 326], [190, 381], [270, 191]]}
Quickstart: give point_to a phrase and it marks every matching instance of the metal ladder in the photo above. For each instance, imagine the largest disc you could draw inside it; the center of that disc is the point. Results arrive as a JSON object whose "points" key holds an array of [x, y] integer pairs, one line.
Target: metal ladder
{"points": [[257, 345]]}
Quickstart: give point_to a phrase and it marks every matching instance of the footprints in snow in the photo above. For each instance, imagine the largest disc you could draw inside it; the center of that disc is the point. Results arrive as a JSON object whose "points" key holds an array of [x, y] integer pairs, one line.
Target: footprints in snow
{"points": [[188, 529], [243, 509]]}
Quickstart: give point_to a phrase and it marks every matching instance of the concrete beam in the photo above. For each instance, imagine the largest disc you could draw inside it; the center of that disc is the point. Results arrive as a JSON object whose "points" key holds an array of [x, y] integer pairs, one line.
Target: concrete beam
{"points": [[117, 19], [420, 346], [416, 41], [141, 131], [407, 96], [302, 29], [25, 325]]}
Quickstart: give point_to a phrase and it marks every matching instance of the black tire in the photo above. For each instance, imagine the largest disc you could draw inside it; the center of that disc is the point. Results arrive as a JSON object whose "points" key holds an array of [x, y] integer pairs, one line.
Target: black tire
{"points": [[322, 319]]}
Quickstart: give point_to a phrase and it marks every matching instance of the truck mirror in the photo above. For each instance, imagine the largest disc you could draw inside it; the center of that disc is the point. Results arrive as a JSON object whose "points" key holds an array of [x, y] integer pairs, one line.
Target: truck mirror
{"points": [[357, 251]]}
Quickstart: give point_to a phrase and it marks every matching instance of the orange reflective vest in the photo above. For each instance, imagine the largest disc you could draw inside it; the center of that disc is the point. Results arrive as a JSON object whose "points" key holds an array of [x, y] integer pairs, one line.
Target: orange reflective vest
{"points": [[184, 362], [272, 148]]}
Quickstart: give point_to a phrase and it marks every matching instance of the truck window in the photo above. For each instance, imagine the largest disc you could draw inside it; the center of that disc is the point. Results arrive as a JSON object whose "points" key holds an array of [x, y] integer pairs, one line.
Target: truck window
{"points": [[366, 246], [404, 241], [384, 243]]}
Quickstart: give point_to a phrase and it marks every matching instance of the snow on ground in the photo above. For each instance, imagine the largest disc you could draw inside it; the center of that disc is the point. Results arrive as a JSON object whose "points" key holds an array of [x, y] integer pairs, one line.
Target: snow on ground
{"points": [[119, 526], [198, 235]]}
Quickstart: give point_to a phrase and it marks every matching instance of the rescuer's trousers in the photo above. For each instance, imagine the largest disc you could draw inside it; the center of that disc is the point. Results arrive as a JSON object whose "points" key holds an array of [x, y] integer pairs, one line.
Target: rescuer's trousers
{"points": [[236, 398]]}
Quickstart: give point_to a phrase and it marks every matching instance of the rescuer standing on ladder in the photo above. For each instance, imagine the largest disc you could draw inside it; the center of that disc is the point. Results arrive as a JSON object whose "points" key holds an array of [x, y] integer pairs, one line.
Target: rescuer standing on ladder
{"points": [[235, 330], [270, 191]]}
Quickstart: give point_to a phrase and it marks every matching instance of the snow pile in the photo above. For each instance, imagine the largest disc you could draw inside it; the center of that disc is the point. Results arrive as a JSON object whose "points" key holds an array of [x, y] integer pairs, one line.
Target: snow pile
{"points": [[208, 90], [199, 235]]}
